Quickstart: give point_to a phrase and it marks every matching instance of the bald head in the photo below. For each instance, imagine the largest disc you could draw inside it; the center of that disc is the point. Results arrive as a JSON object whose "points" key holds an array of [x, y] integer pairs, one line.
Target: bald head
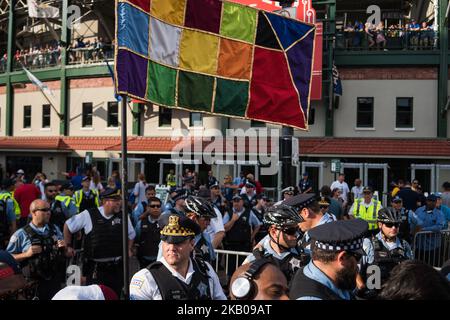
{"points": [[270, 282], [40, 212]]}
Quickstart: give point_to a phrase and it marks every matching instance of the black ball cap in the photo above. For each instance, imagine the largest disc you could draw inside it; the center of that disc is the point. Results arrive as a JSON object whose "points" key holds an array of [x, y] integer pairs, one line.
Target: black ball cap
{"points": [[111, 193]]}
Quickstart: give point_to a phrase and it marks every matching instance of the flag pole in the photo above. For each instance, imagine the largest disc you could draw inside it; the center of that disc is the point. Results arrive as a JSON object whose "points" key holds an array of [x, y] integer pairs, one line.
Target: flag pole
{"points": [[124, 175]]}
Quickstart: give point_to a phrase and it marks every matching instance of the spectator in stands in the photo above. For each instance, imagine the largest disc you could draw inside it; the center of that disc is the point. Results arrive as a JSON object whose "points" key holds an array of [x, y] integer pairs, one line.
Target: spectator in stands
{"points": [[357, 39], [349, 34], [380, 36], [425, 36], [413, 34], [370, 34]]}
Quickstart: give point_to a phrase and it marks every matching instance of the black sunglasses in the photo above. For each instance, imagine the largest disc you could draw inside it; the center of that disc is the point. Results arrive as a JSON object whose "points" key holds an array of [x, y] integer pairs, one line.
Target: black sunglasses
{"points": [[290, 231], [392, 224], [155, 206]]}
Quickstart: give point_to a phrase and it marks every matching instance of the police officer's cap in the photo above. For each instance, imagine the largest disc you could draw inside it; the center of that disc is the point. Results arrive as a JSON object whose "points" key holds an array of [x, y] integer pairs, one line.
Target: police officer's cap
{"points": [[397, 199], [288, 189], [177, 229], [367, 189], [342, 235], [215, 185], [67, 186], [180, 194], [249, 185], [6, 183], [261, 196], [172, 189], [305, 174], [323, 201], [237, 197], [300, 201], [85, 178], [432, 197], [111, 193], [438, 195]]}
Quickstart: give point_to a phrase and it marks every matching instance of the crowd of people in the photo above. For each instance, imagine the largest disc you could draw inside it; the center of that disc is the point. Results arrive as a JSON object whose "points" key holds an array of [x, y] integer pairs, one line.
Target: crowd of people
{"points": [[48, 55], [411, 35], [303, 246]]}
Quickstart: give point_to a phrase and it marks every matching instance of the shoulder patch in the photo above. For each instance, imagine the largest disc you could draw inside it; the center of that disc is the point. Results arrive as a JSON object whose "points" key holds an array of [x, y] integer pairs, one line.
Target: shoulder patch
{"points": [[137, 282]]}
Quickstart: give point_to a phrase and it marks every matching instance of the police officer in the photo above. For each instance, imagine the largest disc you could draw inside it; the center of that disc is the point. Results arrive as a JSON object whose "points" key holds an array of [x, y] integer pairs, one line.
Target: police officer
{"points": [[286, 193], [201, 211], [216, 197], [309, 210], [386, 249], [249, 196], [169, 204], [39, 247], [103, 244], [367, 209], [259, 210], [7, 213], [331, 274], [281, 245], [305, 185], [241, 225], [407, 217], [61, 209], [171, 179], [86, 198], [178, 200], [148, 232], [177, 276], [143, 208]]}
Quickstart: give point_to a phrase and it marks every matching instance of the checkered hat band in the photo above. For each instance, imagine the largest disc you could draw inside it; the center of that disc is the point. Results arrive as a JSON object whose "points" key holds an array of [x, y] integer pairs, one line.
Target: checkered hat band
{"points": [[177, 231], [352, 245]]}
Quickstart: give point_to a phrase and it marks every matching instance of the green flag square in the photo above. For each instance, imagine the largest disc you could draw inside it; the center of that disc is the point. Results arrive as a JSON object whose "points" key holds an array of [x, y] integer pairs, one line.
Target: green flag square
{"points": [[195, 91], [231, 97], [161, 84], [238, 22]]}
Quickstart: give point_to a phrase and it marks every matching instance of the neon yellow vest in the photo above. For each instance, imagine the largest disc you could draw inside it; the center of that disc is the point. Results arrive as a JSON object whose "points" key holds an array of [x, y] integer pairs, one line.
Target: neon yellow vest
{"points": [[64, 199], [368, 214], [8, 195], [171, 180], [79, 197]]}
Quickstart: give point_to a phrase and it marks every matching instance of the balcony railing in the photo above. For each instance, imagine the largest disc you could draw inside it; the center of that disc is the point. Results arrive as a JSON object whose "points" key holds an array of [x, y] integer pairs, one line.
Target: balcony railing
{"points": [[386, 40], [37, 60], [90, 55]]}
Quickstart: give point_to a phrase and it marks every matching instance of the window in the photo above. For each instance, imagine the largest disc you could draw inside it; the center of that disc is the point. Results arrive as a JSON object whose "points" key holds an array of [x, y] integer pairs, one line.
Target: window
{"points": [[311, 116], [404, 114], [364, 118], [257, 124], [46, 116], [165, 117], [87, 115], [195, 119], [113, 114], [26, 117]]}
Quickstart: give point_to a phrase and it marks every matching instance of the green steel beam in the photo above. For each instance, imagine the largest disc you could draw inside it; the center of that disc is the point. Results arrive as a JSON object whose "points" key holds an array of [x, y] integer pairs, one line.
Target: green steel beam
{"points": [[136, 120], [63, 124], [91, 71], [9, 65], [443, 71], [397, 58]]}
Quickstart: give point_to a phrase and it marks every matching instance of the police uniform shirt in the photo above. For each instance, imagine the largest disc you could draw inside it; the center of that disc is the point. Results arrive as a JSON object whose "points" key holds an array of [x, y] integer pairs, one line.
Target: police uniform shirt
{"points": [[265, 243], [20, 242], [304, 185], [252, 218], [370, 251], [215, 225], [10, 214], [137, 229], [209, 248], [143, 286], [434, 221], [363, 203], [326, 218], [83, 221], [312, 272]]}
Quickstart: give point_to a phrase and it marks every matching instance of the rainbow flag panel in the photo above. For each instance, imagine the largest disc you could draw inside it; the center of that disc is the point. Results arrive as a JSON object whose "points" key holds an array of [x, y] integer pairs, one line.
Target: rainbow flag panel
{"points": [[215, 57]]}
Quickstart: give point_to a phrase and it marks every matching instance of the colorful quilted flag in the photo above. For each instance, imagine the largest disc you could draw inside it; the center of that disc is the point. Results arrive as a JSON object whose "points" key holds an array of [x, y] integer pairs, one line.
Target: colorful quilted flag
{"points": [[215, 57]]}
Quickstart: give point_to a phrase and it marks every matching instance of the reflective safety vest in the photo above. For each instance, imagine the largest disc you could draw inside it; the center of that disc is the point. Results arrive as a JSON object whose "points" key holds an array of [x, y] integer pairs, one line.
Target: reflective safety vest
{"points": [[79, 194], [171, 180], [368, 214], [7, 195], [64, 199]]}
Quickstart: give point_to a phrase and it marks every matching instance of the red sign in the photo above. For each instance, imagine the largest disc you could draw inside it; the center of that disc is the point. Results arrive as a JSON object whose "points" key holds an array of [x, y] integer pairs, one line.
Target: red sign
{"points": [[305, 12]]}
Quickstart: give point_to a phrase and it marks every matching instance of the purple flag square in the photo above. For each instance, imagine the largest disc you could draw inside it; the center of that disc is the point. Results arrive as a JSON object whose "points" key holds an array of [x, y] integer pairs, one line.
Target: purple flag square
{"points": [[300, 61], [204, 15], [131, 73]]}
